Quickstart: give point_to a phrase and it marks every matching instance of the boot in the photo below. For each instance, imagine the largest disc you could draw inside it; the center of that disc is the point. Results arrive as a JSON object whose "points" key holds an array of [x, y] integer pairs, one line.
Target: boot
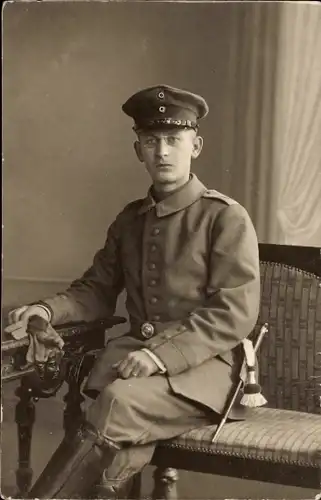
{"points": [[75, 466]]}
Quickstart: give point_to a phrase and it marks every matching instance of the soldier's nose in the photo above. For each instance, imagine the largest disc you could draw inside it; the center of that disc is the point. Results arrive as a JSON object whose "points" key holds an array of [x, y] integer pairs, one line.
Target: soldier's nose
{"points": [[162, 148]]}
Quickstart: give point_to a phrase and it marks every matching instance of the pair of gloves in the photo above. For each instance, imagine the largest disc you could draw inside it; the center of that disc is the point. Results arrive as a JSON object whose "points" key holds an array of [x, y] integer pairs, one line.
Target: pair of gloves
{"points": [[44, 342], [45, 349]]}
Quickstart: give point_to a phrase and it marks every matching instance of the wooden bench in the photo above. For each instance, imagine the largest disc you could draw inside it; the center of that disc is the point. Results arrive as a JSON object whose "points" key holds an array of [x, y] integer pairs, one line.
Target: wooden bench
{"points": [[280, 443]]}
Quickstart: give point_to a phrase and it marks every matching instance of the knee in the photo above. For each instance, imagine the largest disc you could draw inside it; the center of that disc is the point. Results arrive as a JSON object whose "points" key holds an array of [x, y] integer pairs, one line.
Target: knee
{"points": [[119, 399], [116, 414], [120, 390]]}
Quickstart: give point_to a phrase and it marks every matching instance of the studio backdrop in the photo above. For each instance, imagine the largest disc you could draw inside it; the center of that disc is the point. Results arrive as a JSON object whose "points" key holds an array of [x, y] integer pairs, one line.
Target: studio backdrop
{"points": [[69, 163]]}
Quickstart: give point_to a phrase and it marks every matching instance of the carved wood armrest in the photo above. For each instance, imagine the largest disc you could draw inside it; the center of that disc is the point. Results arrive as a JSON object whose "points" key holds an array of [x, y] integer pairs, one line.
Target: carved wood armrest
{"points": [[79, 338]]}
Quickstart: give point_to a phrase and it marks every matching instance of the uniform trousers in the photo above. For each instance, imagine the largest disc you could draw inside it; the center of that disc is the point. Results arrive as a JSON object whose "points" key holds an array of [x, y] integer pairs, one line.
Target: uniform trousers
{"points": [[138, 412]]}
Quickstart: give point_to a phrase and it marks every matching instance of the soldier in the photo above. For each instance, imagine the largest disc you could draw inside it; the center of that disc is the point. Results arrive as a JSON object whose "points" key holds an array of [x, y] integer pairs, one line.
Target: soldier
{"points": [[188, 260]]}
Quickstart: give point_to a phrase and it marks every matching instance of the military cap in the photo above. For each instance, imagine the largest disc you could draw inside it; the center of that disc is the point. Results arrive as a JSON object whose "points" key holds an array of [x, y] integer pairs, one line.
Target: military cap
{"points": [[164, 106]]}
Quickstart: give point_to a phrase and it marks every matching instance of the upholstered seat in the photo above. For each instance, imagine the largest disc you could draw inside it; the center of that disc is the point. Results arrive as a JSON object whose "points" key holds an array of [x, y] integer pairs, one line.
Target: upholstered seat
{"points": [[270, 434]]}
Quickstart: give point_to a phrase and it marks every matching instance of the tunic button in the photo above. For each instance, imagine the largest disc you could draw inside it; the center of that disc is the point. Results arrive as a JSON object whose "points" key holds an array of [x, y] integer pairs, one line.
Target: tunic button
{"points": [[147, 330], [152, 265], [154, 300], [162, 109], [153, 248], [153, 282], [155, 231], [156, 317]]}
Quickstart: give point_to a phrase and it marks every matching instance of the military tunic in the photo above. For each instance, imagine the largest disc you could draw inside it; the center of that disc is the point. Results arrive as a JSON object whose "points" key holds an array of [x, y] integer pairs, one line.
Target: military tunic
{"points": [[190, 268]]}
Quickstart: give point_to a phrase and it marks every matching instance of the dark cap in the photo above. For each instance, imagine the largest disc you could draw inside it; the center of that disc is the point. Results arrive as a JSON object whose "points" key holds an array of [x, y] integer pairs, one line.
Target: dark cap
{"points": [[164, 106]]}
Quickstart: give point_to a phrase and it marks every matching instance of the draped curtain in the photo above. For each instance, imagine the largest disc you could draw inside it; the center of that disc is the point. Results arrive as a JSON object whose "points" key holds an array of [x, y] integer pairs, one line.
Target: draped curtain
{"points": [[247, 128], [271, 131], [297, 146]]}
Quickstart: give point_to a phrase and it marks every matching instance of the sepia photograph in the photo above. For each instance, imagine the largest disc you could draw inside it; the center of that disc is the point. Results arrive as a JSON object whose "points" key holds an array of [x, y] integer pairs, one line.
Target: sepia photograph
{"points": [[161, 272]]}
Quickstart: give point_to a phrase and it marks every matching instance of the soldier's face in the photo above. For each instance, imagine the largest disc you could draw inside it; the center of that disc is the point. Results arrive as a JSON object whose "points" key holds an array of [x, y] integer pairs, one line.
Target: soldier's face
{"points": [[167, 154]]}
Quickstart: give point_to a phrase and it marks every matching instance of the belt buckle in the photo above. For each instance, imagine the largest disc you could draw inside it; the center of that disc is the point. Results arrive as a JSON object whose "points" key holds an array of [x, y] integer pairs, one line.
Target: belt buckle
{"points": [[147, 330]]}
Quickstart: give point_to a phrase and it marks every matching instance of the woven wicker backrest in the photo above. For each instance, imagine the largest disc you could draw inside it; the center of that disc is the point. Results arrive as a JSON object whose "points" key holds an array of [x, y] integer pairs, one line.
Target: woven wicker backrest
{"points": [[290, 354]]}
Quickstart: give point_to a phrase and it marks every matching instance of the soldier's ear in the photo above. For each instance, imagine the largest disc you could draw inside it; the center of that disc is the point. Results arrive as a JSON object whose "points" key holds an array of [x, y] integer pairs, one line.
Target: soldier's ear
{"points": [[138, 151], [197, 146]]}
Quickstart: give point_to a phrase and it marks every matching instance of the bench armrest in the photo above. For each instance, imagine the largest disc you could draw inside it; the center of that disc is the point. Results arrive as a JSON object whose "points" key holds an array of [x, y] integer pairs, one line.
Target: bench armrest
{"points": [[67, 331], [79, 337]]}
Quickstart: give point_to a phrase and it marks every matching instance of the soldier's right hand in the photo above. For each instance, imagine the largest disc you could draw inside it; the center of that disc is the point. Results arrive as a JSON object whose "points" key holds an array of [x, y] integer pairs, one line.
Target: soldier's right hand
{"points": [[18, 319]]}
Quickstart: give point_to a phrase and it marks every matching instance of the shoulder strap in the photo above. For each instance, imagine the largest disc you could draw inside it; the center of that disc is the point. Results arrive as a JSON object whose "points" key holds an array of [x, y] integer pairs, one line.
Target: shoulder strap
{"points": [[216, 195]]}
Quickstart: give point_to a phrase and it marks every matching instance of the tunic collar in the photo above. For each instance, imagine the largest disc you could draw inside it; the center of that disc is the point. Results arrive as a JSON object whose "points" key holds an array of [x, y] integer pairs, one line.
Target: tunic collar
{"points": [[180, 199]]}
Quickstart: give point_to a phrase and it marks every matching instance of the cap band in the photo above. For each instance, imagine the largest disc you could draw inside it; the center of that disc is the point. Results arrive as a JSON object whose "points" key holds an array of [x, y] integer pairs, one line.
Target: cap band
{"points": [[165, 122]]}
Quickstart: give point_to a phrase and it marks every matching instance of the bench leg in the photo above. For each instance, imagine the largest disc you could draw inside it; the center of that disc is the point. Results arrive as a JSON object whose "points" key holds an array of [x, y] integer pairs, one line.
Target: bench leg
{"points": [[24, 418], [73, 412], [165, 484]]}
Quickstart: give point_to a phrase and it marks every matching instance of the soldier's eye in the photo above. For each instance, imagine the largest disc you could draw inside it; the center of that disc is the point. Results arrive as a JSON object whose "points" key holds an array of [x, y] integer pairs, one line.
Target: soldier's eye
{"points": [[171, 140], [150, 141]]}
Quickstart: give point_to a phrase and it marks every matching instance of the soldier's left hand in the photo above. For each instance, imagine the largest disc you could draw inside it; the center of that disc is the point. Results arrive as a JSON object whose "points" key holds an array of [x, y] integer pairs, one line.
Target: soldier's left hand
{"points": [[136, 364]]}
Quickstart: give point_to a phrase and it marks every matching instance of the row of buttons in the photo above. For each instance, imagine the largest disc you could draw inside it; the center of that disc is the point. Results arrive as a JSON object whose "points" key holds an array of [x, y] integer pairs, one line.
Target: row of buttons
{"points": [[152, 265]]}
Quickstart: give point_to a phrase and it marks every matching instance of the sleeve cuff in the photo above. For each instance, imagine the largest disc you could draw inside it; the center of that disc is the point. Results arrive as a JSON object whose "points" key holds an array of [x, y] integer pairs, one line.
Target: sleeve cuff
{"points": [[44, 306], [159, 363], [171, 356]]}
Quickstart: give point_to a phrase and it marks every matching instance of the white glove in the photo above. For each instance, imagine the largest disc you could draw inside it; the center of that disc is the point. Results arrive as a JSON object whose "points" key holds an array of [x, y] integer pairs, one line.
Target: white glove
{"points": [[18, 319]]}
